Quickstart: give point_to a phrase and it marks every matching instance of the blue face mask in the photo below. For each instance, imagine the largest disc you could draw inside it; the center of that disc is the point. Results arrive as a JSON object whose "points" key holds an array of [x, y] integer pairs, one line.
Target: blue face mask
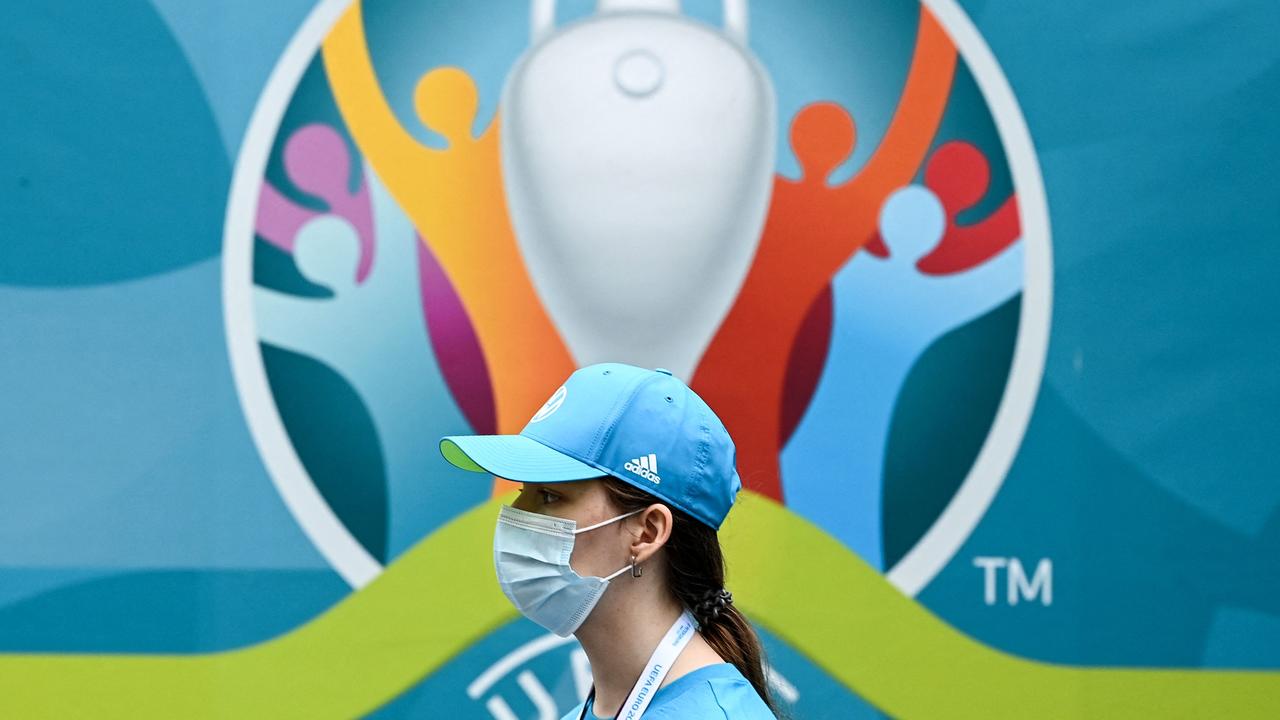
{"points": [[531, 555]]}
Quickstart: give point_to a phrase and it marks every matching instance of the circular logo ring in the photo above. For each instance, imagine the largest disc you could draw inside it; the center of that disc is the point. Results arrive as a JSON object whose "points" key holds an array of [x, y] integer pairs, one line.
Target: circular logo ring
{"points": [[911, 574]]}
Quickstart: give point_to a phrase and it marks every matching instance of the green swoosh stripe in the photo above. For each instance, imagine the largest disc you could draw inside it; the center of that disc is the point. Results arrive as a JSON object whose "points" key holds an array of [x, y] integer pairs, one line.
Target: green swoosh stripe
{"points": [[836, 609], [440, 597]]}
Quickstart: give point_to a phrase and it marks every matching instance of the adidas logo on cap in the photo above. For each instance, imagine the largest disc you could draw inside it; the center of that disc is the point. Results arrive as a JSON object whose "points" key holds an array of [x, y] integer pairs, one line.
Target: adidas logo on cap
{"points": [[646, 466]]}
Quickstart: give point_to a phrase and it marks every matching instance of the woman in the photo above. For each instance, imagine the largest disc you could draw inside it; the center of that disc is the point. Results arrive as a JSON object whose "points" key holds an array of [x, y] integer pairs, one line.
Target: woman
{"points": [[627, 475]]}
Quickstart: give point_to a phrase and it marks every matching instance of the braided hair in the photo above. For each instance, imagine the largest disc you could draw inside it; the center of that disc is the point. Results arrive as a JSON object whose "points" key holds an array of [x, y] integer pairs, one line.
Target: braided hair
{"points": [[695, 573]]}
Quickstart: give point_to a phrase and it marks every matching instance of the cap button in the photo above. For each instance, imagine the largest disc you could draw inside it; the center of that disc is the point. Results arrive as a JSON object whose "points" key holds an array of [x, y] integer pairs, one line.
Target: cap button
{"points": [[664, 371]]}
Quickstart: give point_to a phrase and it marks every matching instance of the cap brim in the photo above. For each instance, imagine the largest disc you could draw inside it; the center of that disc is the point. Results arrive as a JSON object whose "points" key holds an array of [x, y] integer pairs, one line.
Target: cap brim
{"points": [[514, 457]]}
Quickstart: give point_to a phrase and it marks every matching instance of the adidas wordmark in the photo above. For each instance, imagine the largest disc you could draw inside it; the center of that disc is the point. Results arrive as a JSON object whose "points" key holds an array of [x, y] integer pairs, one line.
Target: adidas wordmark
{"points": [[646, 466]]}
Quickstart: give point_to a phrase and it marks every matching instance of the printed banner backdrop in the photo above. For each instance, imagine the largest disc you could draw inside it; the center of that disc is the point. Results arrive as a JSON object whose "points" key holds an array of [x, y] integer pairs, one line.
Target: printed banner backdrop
{"points": [[981, 289]]}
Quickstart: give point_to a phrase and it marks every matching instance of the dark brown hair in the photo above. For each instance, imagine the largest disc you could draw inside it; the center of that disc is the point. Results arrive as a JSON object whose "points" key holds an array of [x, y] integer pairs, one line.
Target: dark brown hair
{"points": [[695, 572]]}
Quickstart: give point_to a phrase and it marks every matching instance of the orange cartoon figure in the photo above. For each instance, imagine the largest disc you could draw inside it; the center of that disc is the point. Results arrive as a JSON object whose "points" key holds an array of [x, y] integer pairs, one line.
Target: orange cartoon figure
{"points": [[812, 229]]}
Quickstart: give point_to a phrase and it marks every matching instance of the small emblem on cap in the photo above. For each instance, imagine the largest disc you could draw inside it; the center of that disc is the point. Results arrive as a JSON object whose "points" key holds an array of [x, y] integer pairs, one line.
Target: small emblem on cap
{"points": [[646, 466], [551, 405]]}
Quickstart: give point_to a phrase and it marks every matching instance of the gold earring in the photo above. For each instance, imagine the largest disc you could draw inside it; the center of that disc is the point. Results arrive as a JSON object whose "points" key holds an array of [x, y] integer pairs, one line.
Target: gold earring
{"points": [[635, 569]]}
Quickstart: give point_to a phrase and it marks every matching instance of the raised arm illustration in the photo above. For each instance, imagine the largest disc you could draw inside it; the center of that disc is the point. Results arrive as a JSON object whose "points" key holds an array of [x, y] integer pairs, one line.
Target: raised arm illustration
{"points": [[924, 95]]}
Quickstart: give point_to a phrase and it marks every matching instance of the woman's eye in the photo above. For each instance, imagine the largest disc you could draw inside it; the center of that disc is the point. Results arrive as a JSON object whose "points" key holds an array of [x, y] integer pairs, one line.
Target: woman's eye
{"points": [[547, 497]]}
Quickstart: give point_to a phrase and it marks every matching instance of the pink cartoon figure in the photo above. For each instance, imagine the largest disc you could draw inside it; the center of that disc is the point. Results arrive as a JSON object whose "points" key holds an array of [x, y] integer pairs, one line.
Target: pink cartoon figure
{"points": [[317, 162]]}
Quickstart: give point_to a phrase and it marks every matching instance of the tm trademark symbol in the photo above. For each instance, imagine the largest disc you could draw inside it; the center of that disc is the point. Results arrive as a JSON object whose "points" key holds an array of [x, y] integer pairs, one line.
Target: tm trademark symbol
{"points": [[1017, 585]]}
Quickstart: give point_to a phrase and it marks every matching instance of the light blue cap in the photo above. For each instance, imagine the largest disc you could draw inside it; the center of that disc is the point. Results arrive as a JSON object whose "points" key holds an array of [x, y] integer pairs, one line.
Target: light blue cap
{"points": [[644, 427]]}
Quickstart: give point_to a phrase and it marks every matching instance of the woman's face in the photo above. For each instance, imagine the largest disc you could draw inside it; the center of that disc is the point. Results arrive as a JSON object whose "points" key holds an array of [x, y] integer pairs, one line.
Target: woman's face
{"points": [[596, 552]]}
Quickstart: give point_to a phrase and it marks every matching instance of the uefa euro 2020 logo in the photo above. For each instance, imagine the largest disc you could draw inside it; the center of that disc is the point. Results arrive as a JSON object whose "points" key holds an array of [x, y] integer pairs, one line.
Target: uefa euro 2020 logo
{"points": [[830, 224]]}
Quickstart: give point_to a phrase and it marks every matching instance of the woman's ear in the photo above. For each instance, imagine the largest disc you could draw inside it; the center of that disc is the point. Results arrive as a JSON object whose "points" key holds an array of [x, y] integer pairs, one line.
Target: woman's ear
{"points": [[654, 529]]}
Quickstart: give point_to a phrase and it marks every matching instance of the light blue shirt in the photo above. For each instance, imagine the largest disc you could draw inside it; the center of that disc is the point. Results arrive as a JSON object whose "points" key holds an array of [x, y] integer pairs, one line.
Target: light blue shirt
{"points": [[712, 692]]}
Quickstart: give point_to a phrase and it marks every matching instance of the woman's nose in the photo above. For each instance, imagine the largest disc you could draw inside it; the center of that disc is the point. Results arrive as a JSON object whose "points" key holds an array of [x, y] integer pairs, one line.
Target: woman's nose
{"points": [[524, 501]]}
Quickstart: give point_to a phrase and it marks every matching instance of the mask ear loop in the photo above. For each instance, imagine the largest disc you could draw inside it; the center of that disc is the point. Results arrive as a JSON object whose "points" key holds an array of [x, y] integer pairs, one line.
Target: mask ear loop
{"points": [[635, 569], [606, 522]]}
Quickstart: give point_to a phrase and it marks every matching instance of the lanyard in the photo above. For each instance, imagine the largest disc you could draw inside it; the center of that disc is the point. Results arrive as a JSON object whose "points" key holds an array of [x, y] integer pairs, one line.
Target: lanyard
{"points": [[659, 663]]}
